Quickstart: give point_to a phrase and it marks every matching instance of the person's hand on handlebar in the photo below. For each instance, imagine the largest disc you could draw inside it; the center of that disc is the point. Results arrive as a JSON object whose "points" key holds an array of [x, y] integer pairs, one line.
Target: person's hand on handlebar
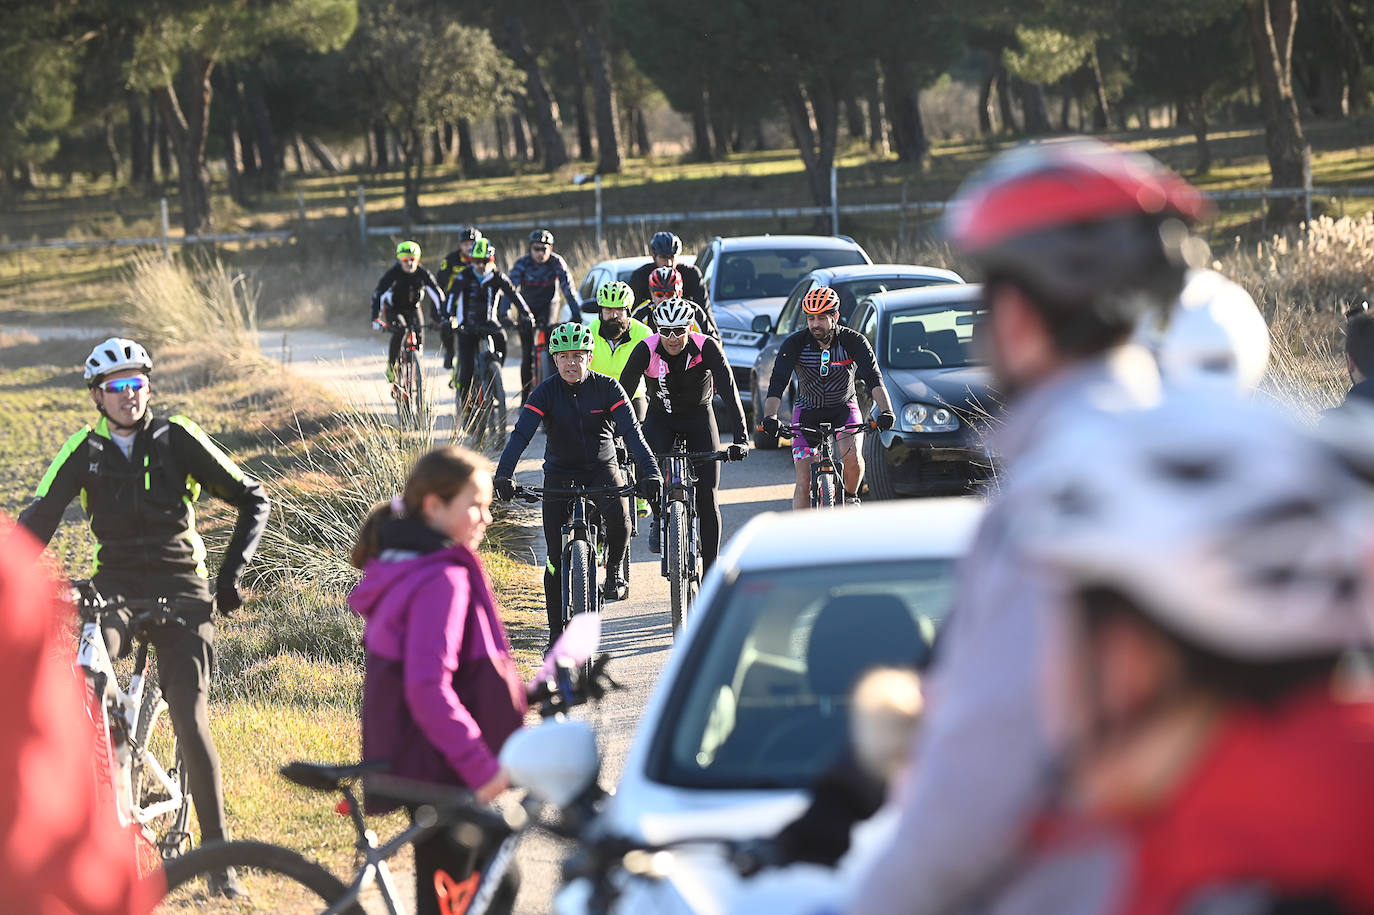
{"points": [[885, 420], [771, 425], [649, 487], [493, 788], [378, 324], [737, 452], [504, 488]]}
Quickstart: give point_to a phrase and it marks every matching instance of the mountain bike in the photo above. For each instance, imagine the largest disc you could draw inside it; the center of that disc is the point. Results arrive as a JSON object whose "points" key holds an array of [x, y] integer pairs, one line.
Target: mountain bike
{"points": [[408, 388], [138, 758], [677, 517], [542, 368], [280, 878], [826, 480], [584, 538], [482, 410]]}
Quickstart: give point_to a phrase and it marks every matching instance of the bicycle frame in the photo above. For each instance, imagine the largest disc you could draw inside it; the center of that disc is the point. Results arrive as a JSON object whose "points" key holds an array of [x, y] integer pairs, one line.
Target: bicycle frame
{"points": [[580, 526], [823, 462]]}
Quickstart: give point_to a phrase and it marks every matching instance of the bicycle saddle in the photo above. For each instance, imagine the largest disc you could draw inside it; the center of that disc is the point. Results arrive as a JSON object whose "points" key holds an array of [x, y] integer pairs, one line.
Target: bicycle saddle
{"points": [[325, 777]]}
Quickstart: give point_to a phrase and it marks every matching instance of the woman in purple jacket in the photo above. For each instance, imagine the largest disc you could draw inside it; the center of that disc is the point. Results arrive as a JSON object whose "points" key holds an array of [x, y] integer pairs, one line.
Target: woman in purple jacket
{"points": [[441, 693]]}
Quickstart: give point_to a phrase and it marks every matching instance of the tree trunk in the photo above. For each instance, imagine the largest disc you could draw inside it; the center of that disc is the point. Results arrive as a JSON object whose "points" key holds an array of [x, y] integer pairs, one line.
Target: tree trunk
{"points": [[553, 152], [1272, 24], [381, 157], [161, 140], [300, 156], [854, 116], [645, 147], [519, 137], [720, 130], [264, 134], [985, 110], [111, 146], [502, 140], [585, 151], [1005, 107], [328, 161], [597, 59], [1099, 91], [817, 147], [1033, 108], [877, 121], [467, 155], [233, 160], [410, 148], [436, 146], [186, 130], [140, 150], [1194, 110], [904, 113], [701, 130]]}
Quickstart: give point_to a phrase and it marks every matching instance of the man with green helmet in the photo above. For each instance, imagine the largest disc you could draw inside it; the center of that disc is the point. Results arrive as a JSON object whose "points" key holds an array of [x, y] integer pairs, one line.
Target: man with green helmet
{"points": [[615, 334], [582, 412], [397, 299]]}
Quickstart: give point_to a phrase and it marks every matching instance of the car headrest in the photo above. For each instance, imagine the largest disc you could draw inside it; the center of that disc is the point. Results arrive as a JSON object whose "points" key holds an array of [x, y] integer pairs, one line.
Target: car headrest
{"points": [[854, 632], [909, 335]]}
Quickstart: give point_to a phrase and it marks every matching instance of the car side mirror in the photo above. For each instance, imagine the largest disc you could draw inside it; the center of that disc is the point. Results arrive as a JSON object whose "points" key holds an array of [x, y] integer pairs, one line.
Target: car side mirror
{"points": [[589, 307], [762, 324]]}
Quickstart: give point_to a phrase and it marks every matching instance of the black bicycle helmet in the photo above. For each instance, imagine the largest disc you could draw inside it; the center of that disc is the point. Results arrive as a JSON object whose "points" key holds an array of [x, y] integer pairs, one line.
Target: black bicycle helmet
{"points": [[541, 237], [665, 244], [469, 233]]}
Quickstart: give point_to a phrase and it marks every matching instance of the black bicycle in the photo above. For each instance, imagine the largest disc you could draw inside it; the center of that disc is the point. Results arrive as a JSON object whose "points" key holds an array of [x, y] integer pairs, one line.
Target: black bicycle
{"points": [[680, 545], [584, 539], [408, 386], [481, 410], [826, 479]]}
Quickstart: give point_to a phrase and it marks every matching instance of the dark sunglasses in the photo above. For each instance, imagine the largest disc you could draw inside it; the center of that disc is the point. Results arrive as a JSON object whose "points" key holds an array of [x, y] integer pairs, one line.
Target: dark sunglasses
{"points": [[673, 331], [121, 385], [539, 249]]}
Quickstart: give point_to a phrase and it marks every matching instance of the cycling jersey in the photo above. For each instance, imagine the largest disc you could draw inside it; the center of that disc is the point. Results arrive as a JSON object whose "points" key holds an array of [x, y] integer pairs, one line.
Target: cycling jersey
{"points": [[451, 269], [140, 506], [609, 358], [685, 383], [693, 286], [580, 425], [473, 299], [702, 319], [538, 281], [409, 312], [825, 374], [405, 287]]}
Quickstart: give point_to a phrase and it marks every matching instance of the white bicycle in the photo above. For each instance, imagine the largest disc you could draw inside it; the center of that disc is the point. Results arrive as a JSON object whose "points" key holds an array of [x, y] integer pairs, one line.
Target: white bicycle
{"points": [[138, 758]]}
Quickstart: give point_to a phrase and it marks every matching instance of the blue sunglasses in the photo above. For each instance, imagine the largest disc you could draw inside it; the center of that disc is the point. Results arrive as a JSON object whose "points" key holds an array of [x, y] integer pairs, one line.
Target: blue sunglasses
{"points": [[121, 385], [825, 362]]}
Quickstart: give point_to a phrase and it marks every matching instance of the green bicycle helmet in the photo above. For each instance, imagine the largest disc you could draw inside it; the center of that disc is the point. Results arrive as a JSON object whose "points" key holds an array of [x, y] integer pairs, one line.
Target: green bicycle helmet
{"points": [[482, 250], [615, 295], [408, 249], [570, 337]]}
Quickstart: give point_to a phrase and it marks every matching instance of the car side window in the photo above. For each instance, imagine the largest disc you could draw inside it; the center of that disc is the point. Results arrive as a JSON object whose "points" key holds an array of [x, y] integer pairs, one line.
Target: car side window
{"points": [[787, 318], [868, 325], [706, 264]]}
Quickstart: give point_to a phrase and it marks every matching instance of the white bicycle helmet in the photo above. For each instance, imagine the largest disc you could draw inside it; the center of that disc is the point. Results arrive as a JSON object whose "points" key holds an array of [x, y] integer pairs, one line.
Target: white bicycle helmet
{"points": [[674, 312], [1219, 519], [115, 355], [1214, 332]]}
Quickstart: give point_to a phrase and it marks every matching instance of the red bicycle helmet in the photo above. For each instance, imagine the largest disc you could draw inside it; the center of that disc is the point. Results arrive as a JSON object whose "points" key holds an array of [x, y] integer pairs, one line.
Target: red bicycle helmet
{"points": [[665, 281], [1076, 221], [820, 300]]}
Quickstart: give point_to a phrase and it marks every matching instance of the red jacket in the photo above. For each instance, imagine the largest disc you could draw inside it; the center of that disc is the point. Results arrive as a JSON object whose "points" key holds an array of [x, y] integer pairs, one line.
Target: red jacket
{"points": [[61, 850], [1283, 800]]}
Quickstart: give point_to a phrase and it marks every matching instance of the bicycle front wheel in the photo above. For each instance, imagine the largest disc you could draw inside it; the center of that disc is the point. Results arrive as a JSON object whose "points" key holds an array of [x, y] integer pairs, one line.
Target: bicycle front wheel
{"points": [[161, 795], [278, 880], [675, 532], [495, 401], [824, 494]]}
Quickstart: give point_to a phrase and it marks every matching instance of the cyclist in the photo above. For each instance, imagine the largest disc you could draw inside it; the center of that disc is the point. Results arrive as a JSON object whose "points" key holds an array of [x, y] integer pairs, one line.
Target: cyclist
{"points": [[666, 283], [1208, 614], [582, 412], [683, 371], [665, 248], [396, 301], [826, 359], [472, 305], [1077, 239], [137, 477], [1213, 334], [536, 275], [615, 335], [451, 269], [1359, 353]]}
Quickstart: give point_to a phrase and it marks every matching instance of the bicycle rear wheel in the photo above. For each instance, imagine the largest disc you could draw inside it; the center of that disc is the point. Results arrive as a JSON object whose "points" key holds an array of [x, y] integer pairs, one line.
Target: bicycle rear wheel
{"points": [[165, 795], [675, 544], [278, 879]]}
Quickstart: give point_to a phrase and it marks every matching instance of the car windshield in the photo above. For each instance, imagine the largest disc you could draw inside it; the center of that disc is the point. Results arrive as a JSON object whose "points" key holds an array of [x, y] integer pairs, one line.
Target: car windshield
{"points": [[766, 272], [933, 337], [850, 291], [763, 703]]}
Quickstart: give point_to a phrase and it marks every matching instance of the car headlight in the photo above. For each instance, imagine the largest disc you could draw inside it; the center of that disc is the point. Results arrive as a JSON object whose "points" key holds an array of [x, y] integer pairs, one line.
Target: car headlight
{"points": [[741, 338], [924, 417]]}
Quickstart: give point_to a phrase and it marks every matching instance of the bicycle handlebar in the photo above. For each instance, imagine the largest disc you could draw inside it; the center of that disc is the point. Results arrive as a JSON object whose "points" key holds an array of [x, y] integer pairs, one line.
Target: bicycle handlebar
{"points": [[536, 493], [695, 456], [90, 605], [833, 430]]}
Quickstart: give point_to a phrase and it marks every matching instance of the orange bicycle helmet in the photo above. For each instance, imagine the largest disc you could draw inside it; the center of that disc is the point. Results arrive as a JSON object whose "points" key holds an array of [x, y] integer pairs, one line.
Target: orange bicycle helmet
{"points": [[820, 300]]}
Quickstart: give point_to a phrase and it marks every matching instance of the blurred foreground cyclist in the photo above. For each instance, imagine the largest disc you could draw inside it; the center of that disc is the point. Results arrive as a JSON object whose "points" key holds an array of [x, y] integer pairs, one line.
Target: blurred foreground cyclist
{"points": [[1076, 239], [1218, 568]]}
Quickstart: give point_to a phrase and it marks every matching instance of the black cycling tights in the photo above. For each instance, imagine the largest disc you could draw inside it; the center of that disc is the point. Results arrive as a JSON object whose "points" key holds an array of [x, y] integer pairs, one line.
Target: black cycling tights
{"points": [[556, 511], [184, 660], [699, 429], [400, 320], [467, 350]]}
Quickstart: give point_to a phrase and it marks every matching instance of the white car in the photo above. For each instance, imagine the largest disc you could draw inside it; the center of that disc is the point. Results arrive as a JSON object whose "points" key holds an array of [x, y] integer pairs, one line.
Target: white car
{"points": [[752, 705]]}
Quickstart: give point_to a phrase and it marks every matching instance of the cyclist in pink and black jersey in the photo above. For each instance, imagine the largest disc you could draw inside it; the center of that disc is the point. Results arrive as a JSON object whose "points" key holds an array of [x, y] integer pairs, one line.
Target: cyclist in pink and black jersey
{"points": [[826, 358]]}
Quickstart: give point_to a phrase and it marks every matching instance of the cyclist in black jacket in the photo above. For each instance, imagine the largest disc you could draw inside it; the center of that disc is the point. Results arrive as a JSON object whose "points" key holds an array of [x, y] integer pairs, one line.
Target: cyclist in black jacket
{"points": [[582, 413], [538, 275], [665, 248], [137, 477], [451, 270], [472, 308], [682, 371], [401, 290], [666, 283], [826, 358]]}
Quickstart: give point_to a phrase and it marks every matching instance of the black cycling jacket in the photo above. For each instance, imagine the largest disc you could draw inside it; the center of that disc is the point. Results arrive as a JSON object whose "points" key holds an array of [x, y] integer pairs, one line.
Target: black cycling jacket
{"points": [[684, 383], [450, 269], [140, 506], [538, 282], [692, 286], [848, 355], [580, 426], [473, 299], [706, 322], [406, 288]]}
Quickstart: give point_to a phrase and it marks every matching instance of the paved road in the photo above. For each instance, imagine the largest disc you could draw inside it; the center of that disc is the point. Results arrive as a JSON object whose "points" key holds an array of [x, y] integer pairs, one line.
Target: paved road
{"points": [[635, 631]]}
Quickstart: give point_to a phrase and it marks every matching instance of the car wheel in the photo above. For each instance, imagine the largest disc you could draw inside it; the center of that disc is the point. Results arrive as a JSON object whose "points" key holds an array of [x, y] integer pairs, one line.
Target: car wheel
{"points": [[762, 440], [877, 473]]}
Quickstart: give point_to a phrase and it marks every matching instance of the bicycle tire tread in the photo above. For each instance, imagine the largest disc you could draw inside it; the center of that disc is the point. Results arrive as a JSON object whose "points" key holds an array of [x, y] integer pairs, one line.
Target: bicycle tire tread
{"points": [[249, 855]]}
